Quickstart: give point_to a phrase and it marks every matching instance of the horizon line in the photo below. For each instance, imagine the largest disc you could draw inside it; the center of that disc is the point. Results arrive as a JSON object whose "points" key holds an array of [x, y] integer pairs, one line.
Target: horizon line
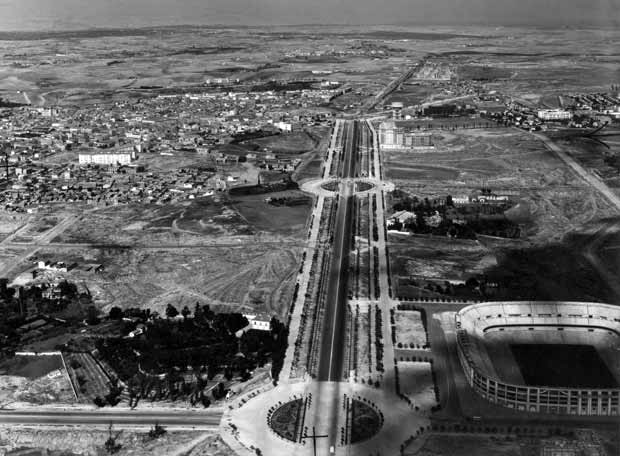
{"points": [[553, 26]]}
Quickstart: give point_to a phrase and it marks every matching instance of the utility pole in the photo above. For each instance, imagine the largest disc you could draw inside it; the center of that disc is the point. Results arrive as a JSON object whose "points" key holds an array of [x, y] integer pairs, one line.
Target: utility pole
{"points": [[314, 436]]}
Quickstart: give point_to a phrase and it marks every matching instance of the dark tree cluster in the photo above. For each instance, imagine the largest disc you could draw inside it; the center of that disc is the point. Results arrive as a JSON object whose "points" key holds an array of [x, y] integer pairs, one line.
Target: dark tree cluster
{"points": [[176, 357], [60, 305], [463, 221]]}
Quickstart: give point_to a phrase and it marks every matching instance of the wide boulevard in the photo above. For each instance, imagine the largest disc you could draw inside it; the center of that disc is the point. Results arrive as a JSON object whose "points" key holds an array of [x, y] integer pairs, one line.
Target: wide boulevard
{"points": [[332, 338]]}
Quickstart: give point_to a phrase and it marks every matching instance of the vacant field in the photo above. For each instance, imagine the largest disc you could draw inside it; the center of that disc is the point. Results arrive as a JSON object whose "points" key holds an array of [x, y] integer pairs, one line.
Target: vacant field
{"points": [[311, 169], [552, 199], [264, 217], [190, 222], [415, 259], [37, 226], [416, 382], [409, 329], [89, 442], [598, 155], [34, 379], [31, 367], [559, 216], [296, 142], [10, 223], [245, 277], [421, 173], [439, 258], [411, 94]]}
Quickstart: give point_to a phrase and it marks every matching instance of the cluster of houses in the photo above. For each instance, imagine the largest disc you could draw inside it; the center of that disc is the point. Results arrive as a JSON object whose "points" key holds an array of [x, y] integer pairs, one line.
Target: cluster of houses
{"points": [[577, 111], [102, 186], [606, 103], [108, 139], [401, 218]]}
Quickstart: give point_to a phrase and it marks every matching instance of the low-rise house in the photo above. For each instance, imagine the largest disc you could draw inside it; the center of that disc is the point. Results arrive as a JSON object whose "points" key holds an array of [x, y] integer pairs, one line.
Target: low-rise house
{"points": [[402, 217]]}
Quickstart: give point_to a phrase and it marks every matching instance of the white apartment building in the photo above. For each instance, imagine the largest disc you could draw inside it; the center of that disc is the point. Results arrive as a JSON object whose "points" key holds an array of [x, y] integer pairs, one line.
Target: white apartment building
{"points": [[554, 114]]}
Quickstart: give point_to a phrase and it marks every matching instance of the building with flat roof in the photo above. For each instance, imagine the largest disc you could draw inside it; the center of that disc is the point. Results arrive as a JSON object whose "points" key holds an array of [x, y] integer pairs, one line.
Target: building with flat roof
{"points": [[105, 157], [554, 114], [392, 137]]}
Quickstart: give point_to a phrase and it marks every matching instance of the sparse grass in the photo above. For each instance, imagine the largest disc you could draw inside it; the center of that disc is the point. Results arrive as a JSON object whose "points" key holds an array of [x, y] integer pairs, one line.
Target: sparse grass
{"points": [[296, 142], [409, 329]]}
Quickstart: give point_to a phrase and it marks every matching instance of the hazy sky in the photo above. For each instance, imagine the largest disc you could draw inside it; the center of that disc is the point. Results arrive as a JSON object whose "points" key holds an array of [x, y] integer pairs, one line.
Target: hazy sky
{"points": [[65, 14]]}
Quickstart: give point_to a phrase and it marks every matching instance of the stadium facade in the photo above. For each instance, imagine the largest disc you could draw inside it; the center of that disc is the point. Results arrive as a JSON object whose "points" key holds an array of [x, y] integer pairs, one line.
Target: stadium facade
{"points": [[565, 322]]}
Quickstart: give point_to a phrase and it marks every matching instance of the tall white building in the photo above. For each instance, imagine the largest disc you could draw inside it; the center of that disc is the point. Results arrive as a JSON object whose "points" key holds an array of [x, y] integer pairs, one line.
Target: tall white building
{"points": [[392, 137]]}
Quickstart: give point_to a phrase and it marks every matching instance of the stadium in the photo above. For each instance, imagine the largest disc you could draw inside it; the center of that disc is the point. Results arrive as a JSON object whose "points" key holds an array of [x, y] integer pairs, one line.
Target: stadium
{"points": [[545, 357]]}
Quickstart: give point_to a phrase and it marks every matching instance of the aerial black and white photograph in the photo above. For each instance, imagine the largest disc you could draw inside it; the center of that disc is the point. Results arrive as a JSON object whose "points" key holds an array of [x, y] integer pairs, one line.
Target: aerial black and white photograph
{"points": [[310, 227]]}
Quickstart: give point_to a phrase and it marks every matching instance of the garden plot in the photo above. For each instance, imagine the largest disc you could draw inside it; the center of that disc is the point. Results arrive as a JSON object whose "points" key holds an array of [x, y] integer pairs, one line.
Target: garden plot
{"points": [[410, 332]]}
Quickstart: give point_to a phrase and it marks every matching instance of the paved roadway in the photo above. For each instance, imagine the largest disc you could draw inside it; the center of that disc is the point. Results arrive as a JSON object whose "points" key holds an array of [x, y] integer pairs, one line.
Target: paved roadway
{"points": [[209, 419], [331, 356], [392, 86], [580, 170], [85, 245]]}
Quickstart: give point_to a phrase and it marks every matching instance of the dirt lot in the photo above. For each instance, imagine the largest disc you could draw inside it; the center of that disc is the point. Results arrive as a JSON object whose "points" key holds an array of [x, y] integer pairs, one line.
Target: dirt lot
{"points": [[296, 142], [311, 169], [207, 219], [258, 276], [36, 380], [91, 442], [10, 223], [437, 257], [264, 217]]}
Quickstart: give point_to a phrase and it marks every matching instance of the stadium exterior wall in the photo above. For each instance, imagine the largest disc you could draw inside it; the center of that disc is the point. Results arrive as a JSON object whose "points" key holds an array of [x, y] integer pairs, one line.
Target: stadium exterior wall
{"points": [[540, 399]]}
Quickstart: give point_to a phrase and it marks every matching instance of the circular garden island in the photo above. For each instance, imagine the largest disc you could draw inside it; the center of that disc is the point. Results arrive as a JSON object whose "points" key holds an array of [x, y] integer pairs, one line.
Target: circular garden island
{"points": [[285, 420], [366, 421]]}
